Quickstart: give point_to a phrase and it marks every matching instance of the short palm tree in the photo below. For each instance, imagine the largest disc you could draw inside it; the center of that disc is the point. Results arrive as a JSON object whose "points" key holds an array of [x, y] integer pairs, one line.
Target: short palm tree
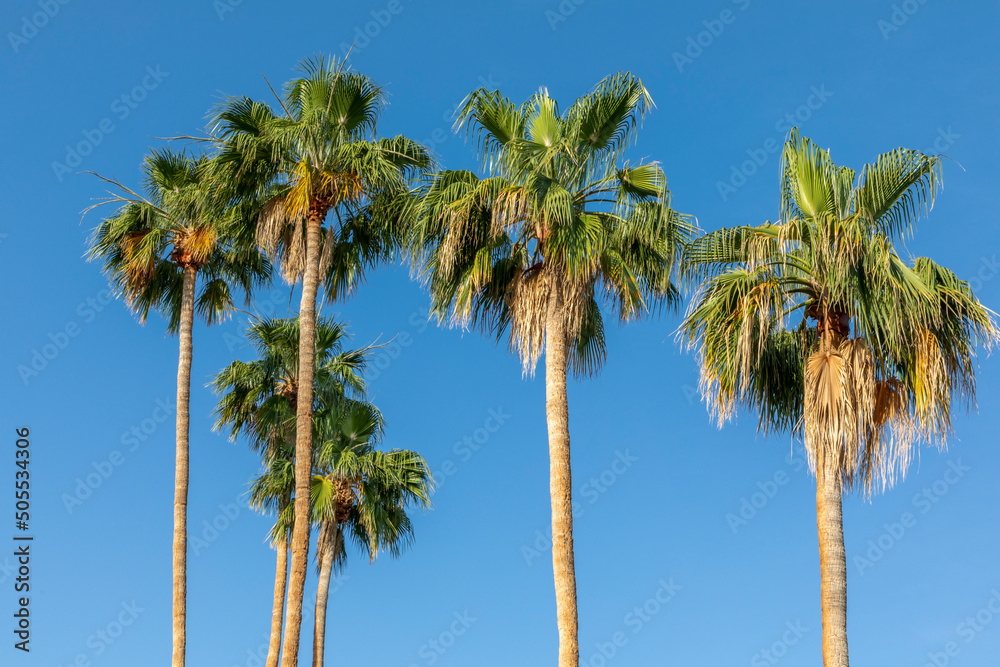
{"points": [[183, 247], [318, 156], [891, 351], [361, 492], [530, 250], [259, 399]]}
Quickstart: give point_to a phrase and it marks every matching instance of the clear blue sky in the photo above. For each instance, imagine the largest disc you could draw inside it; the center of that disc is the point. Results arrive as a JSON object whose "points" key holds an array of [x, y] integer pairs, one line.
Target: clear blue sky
{"points": [[927, 79]]}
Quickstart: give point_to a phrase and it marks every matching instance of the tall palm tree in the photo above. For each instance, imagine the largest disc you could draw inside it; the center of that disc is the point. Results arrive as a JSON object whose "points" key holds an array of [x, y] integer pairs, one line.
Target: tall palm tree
{"points": [[529, 250], [272, 492], [883, 353], [360, 492], [317, 157], [154, 248], [259, 400]]}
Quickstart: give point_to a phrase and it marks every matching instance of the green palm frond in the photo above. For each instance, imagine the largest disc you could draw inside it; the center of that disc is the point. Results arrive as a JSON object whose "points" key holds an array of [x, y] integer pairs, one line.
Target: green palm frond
{"points": [[256, 398], [555, 211], [893, 348], [321, 154], [182, 213], [896, 188], [609, 116]]}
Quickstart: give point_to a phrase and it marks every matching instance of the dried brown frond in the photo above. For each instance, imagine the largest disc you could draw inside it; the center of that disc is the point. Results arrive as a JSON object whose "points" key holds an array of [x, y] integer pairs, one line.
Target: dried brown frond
{"points": [[193, 246], [512, 207], [828, 416], [856, 419], [932, 387], [528, 302], [460, 233], [138, 272], [761, 309], [889, 445]]}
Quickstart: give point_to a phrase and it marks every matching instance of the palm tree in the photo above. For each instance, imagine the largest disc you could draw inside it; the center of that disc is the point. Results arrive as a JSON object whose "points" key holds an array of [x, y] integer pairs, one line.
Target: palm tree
{"points": [[361, 492], [527, 250], [272, 492], [154, 249], [318, 156], [893, 346], [259, 400]]}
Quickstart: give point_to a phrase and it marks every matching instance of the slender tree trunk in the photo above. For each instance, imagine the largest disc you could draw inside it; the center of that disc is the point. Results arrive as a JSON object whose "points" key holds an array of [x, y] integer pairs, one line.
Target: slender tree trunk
{"points": [[560, 480], [303, 439], [833, 563], [278, 608], [181, 468], [323, 597]]}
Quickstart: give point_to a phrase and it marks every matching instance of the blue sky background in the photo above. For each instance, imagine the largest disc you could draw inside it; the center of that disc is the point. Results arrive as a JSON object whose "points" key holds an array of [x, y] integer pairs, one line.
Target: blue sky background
{"points": [[928, 80]]}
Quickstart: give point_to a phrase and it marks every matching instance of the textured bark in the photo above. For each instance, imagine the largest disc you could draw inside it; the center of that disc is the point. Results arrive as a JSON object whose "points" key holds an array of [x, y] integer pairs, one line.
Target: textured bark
{"points": [[303, 439], [278, 608], [560, 481], [323, 597], [833, 564], [181, 468]]}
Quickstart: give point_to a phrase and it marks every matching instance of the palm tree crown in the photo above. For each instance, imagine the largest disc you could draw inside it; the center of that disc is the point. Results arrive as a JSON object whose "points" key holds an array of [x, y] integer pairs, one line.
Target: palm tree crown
{"points": [[258, 399], [184, 218], [555, 209], [894, 343], [319, 155]]}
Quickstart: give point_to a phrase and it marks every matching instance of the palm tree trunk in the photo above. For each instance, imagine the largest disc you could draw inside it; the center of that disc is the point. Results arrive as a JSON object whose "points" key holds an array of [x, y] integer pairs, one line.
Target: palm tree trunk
{"points": [[303, 438], [181, 468], [278, 608], [560, 480], [323, 597], [833, 563]]}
